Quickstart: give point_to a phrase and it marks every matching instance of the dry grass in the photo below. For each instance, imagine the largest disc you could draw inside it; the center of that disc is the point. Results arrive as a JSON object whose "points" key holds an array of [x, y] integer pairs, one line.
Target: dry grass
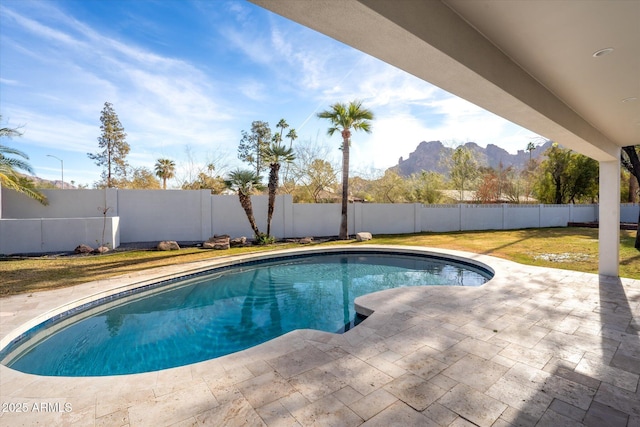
{"points": [[567, 248]]}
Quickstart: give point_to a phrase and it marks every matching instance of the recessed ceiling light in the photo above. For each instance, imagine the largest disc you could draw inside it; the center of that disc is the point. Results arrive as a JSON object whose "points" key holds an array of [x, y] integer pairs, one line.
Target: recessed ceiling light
{"points": [[630, 99], [602, 52]]}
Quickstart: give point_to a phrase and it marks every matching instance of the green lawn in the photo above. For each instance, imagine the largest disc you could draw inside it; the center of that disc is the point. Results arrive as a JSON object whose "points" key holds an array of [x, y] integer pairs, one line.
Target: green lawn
{"points": [[566, 248]]}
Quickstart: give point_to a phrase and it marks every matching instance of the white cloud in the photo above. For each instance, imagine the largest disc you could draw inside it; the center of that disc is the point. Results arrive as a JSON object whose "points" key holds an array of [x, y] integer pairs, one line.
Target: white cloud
{"points": [[9, 82], [63, 133], [159, 100], [41, 30], [253, 89], [168, 100]]}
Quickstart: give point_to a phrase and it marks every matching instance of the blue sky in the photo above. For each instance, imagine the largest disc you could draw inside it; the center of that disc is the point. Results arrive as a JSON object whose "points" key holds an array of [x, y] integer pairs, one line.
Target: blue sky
{"points": [[188, 76]]}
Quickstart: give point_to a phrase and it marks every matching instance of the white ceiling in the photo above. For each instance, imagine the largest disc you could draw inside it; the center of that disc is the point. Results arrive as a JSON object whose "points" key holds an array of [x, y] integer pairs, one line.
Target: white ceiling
{"points": [[554, 41], [530, 61]]}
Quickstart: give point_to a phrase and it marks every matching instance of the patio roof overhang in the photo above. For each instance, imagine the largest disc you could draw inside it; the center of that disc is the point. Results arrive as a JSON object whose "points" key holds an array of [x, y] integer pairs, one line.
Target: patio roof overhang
{"points": [[532, 62]]}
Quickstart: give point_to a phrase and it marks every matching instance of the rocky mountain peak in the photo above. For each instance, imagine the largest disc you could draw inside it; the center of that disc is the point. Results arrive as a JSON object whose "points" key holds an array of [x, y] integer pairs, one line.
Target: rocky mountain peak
{"points": [[431, 156]]}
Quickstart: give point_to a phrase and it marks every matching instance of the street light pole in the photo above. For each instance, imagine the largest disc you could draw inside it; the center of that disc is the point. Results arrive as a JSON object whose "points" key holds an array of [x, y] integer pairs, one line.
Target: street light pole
{"points": [[61, 167]]}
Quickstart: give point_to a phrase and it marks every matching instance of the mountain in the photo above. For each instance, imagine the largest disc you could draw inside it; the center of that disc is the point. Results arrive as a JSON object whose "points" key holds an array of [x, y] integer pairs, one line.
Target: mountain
{"points": [[432, 156], [42, 183]]}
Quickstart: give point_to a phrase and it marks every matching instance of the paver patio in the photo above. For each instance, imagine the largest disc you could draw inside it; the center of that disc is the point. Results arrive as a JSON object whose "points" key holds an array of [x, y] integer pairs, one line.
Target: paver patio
{"points": [[533, 346]]}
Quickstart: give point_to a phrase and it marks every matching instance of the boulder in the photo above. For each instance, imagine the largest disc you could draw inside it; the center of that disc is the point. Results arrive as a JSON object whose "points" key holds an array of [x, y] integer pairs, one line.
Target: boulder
{"points": [[221, 246], [363, 236], [168, 245], [83, 249], [100, 250], [238, 241], [218, 242]]}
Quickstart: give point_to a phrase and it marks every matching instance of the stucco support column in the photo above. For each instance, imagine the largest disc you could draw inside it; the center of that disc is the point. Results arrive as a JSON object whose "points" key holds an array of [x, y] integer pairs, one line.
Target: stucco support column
{"points": [[609, 218]]}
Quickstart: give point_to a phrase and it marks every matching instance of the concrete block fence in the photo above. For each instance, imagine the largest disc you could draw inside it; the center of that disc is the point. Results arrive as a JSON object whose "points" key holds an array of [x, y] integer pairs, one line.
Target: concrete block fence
{"points": [[79, 216]]}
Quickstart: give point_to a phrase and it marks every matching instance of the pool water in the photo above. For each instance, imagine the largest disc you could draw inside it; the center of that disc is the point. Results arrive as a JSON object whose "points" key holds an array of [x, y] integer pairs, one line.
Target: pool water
{"points": [[228, 311]]}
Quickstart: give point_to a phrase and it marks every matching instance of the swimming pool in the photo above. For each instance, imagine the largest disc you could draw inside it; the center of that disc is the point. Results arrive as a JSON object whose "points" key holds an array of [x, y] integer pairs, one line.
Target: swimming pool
{"points": [[224, 310]]}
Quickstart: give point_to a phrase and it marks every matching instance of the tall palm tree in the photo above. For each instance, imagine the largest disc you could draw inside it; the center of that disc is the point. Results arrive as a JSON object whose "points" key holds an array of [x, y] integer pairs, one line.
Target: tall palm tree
{"points": [[282, 125], [275, 154], [165, 169], [245, 182], [343, 118], [530, 147], [9, 167], [292, 135]]}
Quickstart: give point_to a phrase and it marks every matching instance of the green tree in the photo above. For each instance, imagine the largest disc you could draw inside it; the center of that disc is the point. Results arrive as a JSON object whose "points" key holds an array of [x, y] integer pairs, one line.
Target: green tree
{"points": [[253, 144], [112, 141], [360, 188], [206, 182], [165, 169], [282, 125], [530, 147], [10, 165], [566, 177], [343, 118], [390, 188], [306, 179], [292, 135], [275, 154], [319, 177], [245, 183], [631, 162], [426, 187], [141, 179], [463, 170]]}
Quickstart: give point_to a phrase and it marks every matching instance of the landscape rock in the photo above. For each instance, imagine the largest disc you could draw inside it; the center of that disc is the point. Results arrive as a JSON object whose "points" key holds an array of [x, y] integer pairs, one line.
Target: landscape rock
{"points": [[305, 240], [363, 236], [83, 249], [238, 241], [101, 250], [217, 242], [168, 245]]}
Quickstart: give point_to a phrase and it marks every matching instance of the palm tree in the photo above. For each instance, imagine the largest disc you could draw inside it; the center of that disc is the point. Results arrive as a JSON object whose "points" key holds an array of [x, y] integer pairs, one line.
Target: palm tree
{"points": [[343, 118], [165, 169], [282, 125], [530, 147], [292, 135], [245, 182], [275, 154], [9, 167]]}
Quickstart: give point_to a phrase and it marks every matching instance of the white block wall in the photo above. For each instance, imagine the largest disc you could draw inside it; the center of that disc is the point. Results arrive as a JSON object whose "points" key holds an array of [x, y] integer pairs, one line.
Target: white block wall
{"points": [[150, 215], [441, 218], [74, 217], [56, 234]]}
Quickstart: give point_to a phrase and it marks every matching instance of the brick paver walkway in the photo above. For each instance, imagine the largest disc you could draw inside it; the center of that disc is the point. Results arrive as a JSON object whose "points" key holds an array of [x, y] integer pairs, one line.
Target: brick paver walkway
{"points": [[533, 346]]}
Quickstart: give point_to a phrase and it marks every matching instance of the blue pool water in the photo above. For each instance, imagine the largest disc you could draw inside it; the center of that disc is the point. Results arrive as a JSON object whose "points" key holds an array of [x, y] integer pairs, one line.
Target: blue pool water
{"points": [[225, 311]]}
